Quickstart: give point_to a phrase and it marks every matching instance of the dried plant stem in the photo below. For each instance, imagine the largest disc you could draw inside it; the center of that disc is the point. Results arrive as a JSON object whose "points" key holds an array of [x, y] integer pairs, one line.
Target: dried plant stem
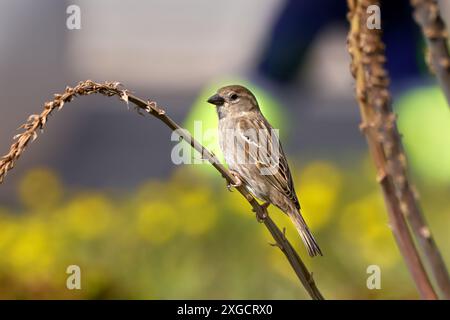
{"points": [[379, 126], [427, 16], [36, 122]]}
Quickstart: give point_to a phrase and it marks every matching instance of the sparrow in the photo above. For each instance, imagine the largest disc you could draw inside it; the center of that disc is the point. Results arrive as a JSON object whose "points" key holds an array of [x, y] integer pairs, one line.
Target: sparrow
{"points": [[255, 157]]}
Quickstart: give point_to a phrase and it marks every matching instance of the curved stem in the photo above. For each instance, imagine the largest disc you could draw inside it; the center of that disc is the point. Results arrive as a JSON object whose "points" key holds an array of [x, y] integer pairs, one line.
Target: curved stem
{"points": [[427, 16], [379, 126], [36, 122]]}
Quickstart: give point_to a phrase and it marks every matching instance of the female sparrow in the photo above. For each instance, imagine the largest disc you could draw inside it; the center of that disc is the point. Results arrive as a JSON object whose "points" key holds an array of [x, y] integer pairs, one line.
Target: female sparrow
{"points": [[255, 157]]}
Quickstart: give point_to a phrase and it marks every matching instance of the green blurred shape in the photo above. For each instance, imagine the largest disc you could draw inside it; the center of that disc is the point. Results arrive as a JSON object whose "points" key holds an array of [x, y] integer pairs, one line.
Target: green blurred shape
{"points": [[202, 120], [424, 121]]}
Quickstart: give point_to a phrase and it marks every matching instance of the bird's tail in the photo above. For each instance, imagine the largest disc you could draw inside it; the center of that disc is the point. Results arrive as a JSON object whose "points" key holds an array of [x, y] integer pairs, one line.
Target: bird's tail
{"points": [[305, 234]]}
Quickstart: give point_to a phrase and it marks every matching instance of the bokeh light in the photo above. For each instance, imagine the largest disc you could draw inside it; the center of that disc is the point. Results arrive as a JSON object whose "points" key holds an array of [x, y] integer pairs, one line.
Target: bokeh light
{"points": [[424, 121], [178, 239]]}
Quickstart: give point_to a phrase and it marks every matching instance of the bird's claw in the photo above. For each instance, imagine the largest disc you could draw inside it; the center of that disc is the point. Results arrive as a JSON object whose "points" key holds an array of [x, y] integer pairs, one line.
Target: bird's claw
{"points": [[238, 180], [262, 215], [261, 219]]}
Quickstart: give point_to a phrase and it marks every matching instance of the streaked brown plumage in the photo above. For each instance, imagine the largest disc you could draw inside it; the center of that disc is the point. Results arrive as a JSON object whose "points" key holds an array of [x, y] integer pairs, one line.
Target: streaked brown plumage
{"points": [[254, 154]]}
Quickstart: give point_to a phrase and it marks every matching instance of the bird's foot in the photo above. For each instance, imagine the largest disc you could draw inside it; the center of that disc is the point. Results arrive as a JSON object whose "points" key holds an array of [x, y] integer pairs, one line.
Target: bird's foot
{"points": [[238, 181], [261, 215]]}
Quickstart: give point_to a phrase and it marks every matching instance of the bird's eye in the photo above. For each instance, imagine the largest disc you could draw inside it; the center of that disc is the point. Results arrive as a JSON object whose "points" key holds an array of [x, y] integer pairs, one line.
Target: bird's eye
{"points": [[234, 96]]}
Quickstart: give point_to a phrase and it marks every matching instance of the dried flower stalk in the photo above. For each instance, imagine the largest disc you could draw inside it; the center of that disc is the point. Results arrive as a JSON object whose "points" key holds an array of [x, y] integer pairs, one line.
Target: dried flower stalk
{"points": [[38, 122], [379, 126], [428, 17]]}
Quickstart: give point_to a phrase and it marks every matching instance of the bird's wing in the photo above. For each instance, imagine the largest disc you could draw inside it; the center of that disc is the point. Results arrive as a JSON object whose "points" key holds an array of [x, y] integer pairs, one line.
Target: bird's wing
{"points": [[262, 147]]}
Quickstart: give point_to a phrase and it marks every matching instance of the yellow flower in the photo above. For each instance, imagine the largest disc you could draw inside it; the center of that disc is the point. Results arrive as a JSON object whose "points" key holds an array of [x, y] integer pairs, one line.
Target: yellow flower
{"points": [[197, 210], [364, 226], [31, 255], [8, 229], [157, 221], [89, 216], [318, 189], [151, 190]]}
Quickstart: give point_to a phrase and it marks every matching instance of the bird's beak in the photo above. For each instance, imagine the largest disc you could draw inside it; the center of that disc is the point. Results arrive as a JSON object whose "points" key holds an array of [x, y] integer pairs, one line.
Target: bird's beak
{"points": [[216, 100]]}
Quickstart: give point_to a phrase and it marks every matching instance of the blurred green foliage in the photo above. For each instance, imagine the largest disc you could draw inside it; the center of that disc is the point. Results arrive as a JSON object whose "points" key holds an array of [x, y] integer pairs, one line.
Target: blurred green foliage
{"points": [[187, 237], [425, 123]]}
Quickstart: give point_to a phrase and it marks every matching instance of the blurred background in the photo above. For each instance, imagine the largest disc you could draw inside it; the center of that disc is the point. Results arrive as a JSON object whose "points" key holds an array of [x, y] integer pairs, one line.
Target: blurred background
{"points": [[98, 188]]}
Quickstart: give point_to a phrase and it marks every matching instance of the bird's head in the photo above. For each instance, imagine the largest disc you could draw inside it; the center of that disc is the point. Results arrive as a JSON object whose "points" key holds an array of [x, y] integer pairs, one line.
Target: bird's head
{"points": [[234, 99]]}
